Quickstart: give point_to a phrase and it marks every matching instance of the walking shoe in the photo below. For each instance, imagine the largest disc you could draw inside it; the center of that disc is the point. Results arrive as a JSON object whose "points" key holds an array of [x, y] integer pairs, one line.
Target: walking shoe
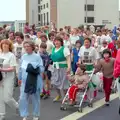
{"points": [[42, 95], [107, 103], [57, 99], [35, 118], [46, 96]]}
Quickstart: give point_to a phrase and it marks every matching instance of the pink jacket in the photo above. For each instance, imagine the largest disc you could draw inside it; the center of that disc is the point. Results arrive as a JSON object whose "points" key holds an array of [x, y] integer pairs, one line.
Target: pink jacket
{"points": [[116, 72]]}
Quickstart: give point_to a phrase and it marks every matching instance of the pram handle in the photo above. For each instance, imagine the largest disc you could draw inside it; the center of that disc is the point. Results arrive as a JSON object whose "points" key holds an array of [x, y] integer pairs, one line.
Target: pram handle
{"points": [[90, 79]]}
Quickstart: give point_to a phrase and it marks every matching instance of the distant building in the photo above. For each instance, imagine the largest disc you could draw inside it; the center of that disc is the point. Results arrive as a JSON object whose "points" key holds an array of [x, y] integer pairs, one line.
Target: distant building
{"points": [[73, 12], [6, 23], [19, 25]]}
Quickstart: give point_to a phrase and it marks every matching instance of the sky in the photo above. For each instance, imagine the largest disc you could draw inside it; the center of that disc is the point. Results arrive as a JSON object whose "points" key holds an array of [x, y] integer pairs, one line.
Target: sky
{"points": [[11, 10]]}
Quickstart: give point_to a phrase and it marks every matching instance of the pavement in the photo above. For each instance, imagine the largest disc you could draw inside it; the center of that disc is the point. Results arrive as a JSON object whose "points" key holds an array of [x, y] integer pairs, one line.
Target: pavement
{"points": [[51, 111]]}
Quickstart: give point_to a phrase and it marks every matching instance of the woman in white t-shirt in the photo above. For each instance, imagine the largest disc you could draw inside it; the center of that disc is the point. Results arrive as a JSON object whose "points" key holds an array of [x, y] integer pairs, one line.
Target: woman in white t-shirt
{"points": [[8, 62], [88, 54]]}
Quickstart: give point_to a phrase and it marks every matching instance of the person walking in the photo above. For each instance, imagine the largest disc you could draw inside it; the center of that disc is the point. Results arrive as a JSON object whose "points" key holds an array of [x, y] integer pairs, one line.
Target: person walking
{"points": [[8, 62], [30, 79]]}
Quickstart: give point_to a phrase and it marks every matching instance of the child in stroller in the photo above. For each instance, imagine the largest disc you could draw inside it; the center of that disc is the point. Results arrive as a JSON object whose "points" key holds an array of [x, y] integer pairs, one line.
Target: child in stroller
{"points": [[79, 81]]}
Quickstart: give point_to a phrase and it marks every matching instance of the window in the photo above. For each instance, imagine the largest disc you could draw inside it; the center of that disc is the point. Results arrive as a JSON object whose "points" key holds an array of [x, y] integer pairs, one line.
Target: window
{"points": [[44, 6], [38, 9], [39, 18], [44, 18], [41, 7], [47, 5], [47, 18], [38, 1], [89, 7], [89, 19]]}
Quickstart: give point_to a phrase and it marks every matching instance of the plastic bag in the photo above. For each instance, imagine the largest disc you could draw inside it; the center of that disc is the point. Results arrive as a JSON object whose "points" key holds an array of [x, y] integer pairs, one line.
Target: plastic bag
{"points": [[96, 80]]}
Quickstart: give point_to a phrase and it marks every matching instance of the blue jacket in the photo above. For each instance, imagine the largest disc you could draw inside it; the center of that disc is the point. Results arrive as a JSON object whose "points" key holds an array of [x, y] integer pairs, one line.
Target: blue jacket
{"points": [[31, 81]]}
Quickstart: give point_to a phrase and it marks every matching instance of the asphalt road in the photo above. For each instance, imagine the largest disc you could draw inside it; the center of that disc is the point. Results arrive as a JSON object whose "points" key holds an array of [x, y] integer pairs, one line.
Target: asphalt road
{"points": [[51, 111]]}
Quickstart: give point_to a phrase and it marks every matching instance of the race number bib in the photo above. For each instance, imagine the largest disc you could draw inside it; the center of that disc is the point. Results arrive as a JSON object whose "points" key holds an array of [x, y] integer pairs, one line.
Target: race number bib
{"points": [[19, 52], [87, 58]]}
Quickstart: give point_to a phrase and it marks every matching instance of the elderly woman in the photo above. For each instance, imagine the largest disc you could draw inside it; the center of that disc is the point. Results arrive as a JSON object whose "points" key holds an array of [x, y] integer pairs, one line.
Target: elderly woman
{"points": [[8, 66], [31, 81], [62, 64]]}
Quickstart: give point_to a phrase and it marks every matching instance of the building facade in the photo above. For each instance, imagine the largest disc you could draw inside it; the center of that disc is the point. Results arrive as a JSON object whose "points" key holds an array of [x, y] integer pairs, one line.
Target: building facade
{"points": [[73, 12], [19, 25], [32, 11]]}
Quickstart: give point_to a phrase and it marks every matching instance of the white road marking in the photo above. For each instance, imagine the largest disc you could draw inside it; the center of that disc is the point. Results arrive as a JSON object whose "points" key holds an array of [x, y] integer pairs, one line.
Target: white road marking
{"points": [[86, 110]]}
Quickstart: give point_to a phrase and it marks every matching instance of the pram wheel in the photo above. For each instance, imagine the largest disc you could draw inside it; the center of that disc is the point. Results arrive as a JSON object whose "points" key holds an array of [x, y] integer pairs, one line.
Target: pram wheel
{"points": [[63, 108], [90, 105], [80, 110]]}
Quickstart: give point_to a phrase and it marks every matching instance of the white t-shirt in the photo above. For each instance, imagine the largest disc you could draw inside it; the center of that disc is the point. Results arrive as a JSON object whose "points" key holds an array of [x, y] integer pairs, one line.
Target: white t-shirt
{"points": [[33, 37], [67, 43], [89, 53], [18, 50], [103, 48], [109, 39], [38, 41], [74, 39], [50, 45], [9, 60], [106, 38]]}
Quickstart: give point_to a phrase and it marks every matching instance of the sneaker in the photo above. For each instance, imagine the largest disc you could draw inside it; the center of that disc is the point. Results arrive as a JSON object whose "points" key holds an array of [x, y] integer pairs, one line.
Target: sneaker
{"points": [[57, 99], [107, 103], [35, 118], [42, 95], [46, 96]]}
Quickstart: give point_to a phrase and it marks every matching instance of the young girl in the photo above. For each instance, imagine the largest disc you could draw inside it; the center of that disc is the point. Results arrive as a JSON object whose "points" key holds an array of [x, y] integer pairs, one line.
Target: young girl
{"points": [[80, 80], [75, 56], [47, 74], [106, 65]]}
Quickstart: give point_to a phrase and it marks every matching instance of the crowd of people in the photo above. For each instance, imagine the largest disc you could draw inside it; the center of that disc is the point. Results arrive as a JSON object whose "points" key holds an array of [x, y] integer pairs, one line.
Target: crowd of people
{"points": [[37, 60]]}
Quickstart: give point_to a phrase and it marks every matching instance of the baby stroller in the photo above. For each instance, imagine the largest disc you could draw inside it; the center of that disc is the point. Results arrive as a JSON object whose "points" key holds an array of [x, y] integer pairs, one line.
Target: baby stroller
{"points": [[81, 94]]}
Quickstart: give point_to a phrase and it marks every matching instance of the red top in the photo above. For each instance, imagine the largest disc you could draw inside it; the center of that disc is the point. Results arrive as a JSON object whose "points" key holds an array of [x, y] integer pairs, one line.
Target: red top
{"points": [[116, 72], [112, 48]]}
